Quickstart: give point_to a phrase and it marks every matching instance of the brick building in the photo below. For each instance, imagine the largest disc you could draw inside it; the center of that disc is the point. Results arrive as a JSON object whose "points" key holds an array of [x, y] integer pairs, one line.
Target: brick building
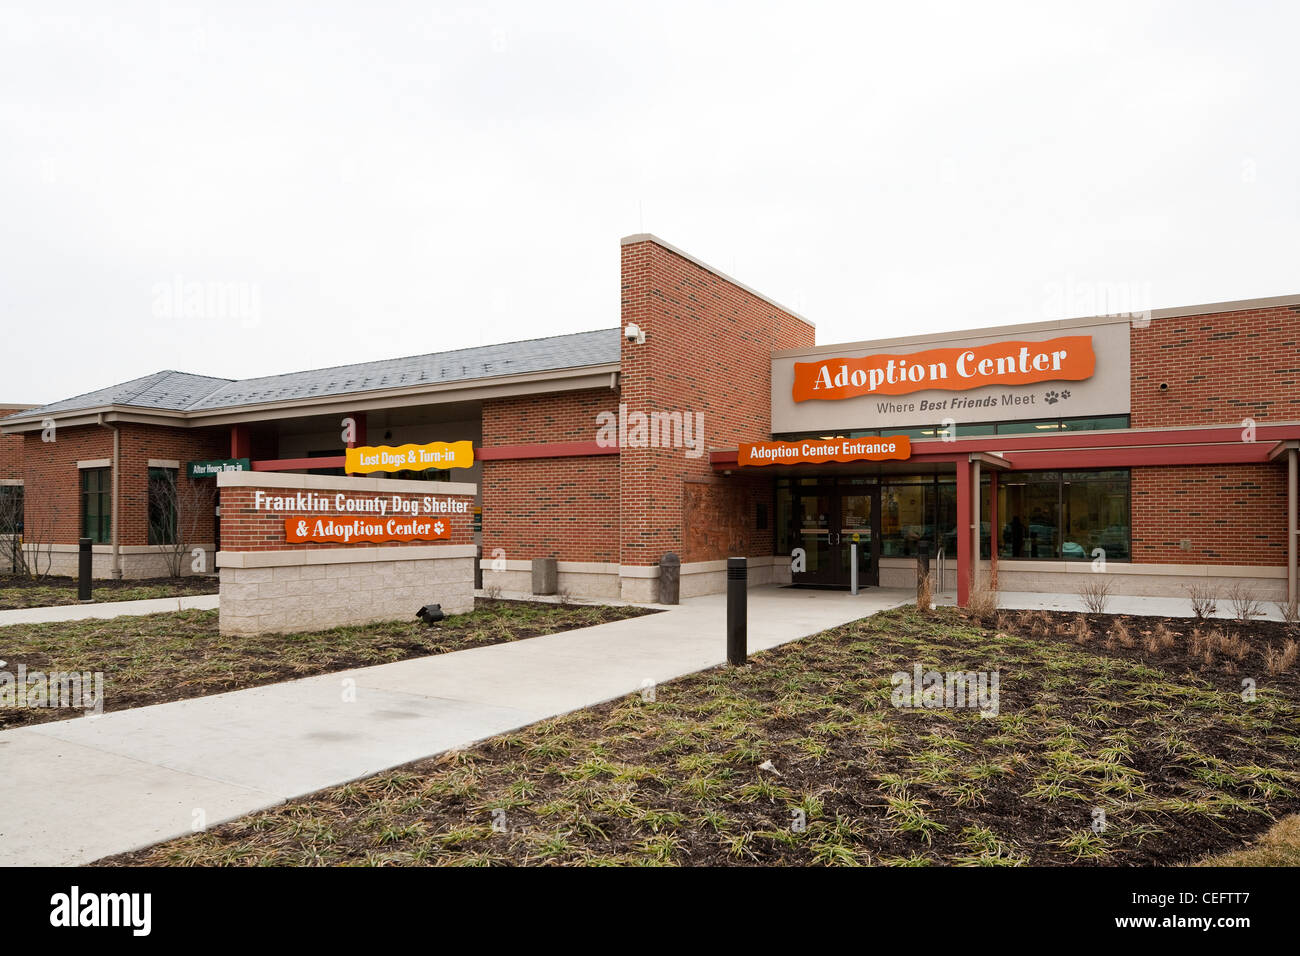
{"points": [[1160, 450]]}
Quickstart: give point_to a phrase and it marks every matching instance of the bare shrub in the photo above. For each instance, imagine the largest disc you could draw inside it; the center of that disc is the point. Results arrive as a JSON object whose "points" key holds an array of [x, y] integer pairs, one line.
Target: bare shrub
{"points": [[1290, 615], [180, 514], [1246, 605], [1205, 603], [1007, 623], [1082, 630], [1096, 594], [492, 592]]}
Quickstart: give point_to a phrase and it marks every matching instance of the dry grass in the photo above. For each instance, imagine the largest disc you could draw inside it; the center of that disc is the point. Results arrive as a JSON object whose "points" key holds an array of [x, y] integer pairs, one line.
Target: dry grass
{"points": [[1280, 846], [982, 603], [924, 592], [1159, 639], [1082, 630], [1278, 661]]}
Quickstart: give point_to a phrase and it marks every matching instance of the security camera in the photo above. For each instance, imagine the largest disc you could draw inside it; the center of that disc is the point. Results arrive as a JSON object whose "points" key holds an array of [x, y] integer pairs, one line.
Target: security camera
{"points": [[633, 333]]}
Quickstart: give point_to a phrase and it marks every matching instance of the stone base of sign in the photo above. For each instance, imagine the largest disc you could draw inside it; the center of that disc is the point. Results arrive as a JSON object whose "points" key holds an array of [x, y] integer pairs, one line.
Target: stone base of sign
{"points": [[286, 591]]}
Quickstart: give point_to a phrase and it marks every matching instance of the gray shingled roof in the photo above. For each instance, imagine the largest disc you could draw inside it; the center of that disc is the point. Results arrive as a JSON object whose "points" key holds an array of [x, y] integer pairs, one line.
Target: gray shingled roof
{"points": [[181, 391], [165, 390]]}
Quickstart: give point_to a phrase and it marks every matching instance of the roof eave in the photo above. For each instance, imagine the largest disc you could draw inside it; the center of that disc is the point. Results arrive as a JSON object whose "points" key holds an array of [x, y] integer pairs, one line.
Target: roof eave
{"points": [[499, 386], [92, 416]]}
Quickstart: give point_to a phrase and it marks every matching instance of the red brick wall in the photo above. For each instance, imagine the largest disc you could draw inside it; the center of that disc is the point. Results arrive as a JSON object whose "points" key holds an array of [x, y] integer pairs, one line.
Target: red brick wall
{"points": [[1220, 368], [11, 450], [143, 442], [245, 528], [708, 348], [541, 419], [1230, 514], [565, 508], [52, 482]]}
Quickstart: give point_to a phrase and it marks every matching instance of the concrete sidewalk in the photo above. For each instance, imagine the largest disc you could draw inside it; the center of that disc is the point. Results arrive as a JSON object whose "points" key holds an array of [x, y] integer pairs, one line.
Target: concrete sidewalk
{"points": [[76, 790], [82, 612]]}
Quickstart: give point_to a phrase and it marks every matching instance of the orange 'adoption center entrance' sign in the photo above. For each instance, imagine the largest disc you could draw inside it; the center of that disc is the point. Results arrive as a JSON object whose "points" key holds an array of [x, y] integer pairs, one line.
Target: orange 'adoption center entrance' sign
{"points": [[1068, 358], [816, 451], [298, 530]]}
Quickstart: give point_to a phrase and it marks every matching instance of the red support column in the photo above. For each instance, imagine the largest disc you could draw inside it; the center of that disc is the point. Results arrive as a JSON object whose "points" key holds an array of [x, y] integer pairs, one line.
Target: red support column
{"points": [[993, 529], [241, 442], [963, 532]]}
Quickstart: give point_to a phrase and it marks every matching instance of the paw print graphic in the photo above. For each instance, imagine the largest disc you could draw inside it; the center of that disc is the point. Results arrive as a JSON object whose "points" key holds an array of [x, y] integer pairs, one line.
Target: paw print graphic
{"points": [[437, 527], [1051, 398], [1065, 393]]}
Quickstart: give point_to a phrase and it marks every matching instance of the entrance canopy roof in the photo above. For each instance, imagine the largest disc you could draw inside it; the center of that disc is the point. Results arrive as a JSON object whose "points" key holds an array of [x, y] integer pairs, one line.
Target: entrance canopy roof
{"points": [[1198, 445]]}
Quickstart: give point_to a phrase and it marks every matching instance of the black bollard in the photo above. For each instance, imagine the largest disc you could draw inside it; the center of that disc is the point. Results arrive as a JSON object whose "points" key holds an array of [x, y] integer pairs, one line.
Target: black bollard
{"points": [[83, 570], [737, 623]]}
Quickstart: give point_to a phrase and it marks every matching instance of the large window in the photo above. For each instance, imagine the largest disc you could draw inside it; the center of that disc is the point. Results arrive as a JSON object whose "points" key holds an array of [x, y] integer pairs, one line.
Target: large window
{"points": [[1069, 515], [914, 509], [162, 506], [97, 505], [11, 510]]}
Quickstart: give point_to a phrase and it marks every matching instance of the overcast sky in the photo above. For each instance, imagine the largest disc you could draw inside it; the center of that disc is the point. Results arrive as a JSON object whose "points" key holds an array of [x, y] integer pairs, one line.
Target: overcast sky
{"points": [[369, 180]]}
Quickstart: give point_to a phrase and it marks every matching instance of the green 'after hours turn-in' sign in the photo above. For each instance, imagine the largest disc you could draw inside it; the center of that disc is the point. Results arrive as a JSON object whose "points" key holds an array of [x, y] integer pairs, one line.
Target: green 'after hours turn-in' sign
{"points": [[210, 469]]}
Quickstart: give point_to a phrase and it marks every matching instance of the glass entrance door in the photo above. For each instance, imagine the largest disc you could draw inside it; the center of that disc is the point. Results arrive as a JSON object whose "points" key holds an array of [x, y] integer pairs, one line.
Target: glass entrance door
{"points": [[817, 534], [830, 518]]}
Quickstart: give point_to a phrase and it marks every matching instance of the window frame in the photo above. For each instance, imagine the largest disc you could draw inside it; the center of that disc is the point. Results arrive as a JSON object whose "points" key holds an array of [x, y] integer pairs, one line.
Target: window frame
{"points": [[103, 534], [173, 474]]}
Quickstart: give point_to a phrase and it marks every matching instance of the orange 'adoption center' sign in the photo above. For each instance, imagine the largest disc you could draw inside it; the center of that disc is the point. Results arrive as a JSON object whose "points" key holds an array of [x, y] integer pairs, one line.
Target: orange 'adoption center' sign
{"points": [[1069, 358], [816, 451], [298, 530]]}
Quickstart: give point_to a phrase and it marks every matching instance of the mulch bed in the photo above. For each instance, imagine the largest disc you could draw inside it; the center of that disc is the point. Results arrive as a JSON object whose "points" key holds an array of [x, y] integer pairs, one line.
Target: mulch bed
{"points": [[800, 758], [1221, 651]]}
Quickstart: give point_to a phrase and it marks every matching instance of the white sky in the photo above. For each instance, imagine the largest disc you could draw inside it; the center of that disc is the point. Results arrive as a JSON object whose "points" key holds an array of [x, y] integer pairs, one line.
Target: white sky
{"points": [[383, 179]]}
